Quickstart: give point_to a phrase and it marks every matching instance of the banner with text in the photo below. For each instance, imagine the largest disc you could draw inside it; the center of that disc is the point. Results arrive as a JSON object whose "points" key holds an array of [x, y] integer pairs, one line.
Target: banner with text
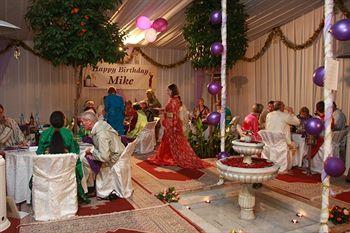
{"points": [[121, 76]]}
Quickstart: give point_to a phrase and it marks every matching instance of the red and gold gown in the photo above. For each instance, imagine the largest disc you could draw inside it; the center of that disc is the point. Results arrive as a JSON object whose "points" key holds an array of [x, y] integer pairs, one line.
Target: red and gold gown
{"points": [[174, 149]]}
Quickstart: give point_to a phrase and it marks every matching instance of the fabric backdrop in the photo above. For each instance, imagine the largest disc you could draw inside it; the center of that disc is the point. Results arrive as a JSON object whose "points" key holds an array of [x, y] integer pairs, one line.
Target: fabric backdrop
{"points": [[285, 74]]}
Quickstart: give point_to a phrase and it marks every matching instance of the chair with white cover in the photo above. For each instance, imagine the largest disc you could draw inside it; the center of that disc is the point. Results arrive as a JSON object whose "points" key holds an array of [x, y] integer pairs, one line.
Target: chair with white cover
{"points": [[276, 149], [317, 160], [146, 140], [118, 177], [54, 186]]}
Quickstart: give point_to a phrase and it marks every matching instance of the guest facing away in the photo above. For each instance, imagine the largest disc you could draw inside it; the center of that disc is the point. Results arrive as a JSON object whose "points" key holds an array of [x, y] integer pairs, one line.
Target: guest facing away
{"points": [[10, 133], [339, 118], [138, 122], [114, 109], [58, 140], [107, 143], [262, 118], [281, 121], [251, 122]]}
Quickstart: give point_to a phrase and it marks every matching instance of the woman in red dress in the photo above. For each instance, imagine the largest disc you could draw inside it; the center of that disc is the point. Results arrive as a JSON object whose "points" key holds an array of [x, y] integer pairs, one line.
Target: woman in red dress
{"points": [[174, 149]]}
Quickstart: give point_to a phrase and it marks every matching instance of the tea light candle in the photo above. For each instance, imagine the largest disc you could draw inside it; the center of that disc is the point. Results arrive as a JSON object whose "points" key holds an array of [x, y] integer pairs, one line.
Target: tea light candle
{"points": [[299, 215], [188, 207], [207, 201], [294, 221]]}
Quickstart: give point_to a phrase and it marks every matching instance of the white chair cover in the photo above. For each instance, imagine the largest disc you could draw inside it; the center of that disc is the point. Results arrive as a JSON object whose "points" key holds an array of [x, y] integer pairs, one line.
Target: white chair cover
{"points": [[118, 177], [276, 149], [146, 140], [54, 186], [317, 160]]}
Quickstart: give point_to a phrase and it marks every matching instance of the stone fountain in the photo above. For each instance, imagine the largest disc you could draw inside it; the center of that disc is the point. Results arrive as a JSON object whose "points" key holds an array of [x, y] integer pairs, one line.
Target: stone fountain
{"points": [[247, 176]]}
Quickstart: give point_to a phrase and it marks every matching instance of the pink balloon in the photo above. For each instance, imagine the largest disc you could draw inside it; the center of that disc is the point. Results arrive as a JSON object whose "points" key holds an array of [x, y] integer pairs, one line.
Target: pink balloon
{"points": [[150, 35], [143, 22], [160, 24]]}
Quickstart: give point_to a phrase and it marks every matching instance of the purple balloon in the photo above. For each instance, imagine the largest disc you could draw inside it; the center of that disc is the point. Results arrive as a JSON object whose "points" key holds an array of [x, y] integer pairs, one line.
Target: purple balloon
{"points": [[318, 76], [213, 118], [215, 17], [222, 155], [216, 48], [341, 30], [214, 87], [160, 24], [314, 126], [334, 167]]}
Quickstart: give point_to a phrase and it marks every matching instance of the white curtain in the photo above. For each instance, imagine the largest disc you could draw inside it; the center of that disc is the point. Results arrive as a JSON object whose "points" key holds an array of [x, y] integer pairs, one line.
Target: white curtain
{"points": [[285, 74], [34, 85]]}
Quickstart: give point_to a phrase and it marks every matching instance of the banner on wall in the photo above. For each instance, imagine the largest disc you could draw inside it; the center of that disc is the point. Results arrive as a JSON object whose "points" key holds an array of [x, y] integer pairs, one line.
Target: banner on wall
{"points": [[121, 76]]}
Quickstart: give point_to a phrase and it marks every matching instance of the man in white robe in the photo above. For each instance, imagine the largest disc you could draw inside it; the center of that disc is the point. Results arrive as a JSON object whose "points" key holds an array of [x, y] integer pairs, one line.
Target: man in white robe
{"points": [[280, 121], [107, 143]]}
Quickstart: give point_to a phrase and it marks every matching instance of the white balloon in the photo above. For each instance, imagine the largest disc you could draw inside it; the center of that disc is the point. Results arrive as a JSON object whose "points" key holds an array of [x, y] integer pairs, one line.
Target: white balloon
{"points": [[150, 35]]}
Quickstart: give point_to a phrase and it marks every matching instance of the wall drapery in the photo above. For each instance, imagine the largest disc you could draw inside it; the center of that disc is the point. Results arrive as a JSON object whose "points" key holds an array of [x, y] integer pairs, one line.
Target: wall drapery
{"points": [[285, 74]]}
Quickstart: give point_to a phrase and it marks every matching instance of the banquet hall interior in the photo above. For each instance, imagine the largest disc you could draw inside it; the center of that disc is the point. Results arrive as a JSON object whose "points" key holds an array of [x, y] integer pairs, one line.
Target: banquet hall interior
{"points": [[126, 116]]}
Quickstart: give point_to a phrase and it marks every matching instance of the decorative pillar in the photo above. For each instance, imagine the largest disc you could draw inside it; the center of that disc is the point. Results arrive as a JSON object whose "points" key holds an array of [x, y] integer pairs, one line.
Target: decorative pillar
{"points": [[223, 74], [328, 99]]}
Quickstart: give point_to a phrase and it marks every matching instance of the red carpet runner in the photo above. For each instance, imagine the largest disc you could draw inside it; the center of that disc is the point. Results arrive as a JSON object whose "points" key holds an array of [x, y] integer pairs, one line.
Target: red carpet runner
{"points": [[182, 174], [124, 231], [345, 196], [298, 175]]}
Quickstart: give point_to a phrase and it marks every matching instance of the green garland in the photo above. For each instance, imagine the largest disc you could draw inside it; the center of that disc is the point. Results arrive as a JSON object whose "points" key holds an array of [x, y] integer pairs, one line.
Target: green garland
{"points": [[199, 33]]}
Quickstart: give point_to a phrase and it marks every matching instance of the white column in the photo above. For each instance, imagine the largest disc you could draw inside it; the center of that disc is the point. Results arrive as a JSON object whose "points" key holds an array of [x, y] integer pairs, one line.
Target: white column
{"points": [[223, 75], [328, 99]]}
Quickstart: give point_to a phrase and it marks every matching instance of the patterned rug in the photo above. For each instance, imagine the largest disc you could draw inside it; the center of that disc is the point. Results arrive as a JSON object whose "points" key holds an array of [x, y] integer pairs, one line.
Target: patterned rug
{"points": [[155, 219], [156, 178]]}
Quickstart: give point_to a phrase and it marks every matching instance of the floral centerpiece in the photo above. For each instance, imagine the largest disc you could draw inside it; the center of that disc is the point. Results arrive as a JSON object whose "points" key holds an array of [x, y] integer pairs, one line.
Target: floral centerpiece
{"points": [[339, 215], [169, 195]]}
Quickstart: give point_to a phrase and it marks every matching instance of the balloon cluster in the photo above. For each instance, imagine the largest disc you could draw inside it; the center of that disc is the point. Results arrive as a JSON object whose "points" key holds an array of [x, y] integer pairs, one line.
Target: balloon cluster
{"points": [[151, 28], [340, 31], [216, 48]]}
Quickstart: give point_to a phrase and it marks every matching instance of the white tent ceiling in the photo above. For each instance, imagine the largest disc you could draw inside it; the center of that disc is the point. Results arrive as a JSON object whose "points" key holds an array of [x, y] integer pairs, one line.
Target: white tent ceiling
{"points": [[263, 16]]}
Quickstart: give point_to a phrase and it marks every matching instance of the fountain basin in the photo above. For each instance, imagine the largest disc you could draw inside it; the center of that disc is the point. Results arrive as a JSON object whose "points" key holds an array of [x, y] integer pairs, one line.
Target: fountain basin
{"points": [[247, 148]]}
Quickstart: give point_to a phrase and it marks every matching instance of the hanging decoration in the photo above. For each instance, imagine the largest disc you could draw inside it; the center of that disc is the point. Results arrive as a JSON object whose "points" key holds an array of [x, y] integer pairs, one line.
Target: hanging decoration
{"points": [[143, 23], [334, 167], [17, 52], [213, 118], [318, 76], [216, 17], [160, 24], [150, 29], [216, 48], [341, 30], [214, 87], [314, 126]]}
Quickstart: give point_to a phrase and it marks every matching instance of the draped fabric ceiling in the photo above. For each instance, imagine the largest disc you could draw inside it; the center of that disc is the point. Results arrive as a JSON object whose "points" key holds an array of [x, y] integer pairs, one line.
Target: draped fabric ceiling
{"points": [[263, 16]]}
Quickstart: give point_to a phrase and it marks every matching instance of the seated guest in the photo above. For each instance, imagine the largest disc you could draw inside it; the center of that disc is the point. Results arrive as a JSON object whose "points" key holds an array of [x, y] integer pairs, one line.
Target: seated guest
{"points": [[58, 140], [262, 118], [339, 118], [149, 113], [251, 122], [107, 142], [228, 114], [304, 115], [137, 123], [200, 111], [89, 105], [10, 133], [152, 102], [281, 121]]}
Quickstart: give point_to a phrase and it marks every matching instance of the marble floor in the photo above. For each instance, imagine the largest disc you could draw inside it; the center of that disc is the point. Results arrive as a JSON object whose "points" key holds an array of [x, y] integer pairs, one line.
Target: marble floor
{"points": [[217, 210]]}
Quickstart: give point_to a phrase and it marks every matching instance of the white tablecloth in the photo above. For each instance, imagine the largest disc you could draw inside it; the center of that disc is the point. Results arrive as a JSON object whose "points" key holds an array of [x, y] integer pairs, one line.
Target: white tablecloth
{"points": [[19, 170], [302, 149]]}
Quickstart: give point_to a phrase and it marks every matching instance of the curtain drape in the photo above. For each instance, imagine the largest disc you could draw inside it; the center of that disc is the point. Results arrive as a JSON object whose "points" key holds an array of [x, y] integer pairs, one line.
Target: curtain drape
{"points": [[285, 74]]}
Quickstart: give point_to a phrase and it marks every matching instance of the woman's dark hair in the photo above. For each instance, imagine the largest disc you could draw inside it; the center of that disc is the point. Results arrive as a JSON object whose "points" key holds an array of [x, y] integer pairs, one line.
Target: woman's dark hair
{"points": [[320, 107], [111, 90], [57, 144], [173, 89]]}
